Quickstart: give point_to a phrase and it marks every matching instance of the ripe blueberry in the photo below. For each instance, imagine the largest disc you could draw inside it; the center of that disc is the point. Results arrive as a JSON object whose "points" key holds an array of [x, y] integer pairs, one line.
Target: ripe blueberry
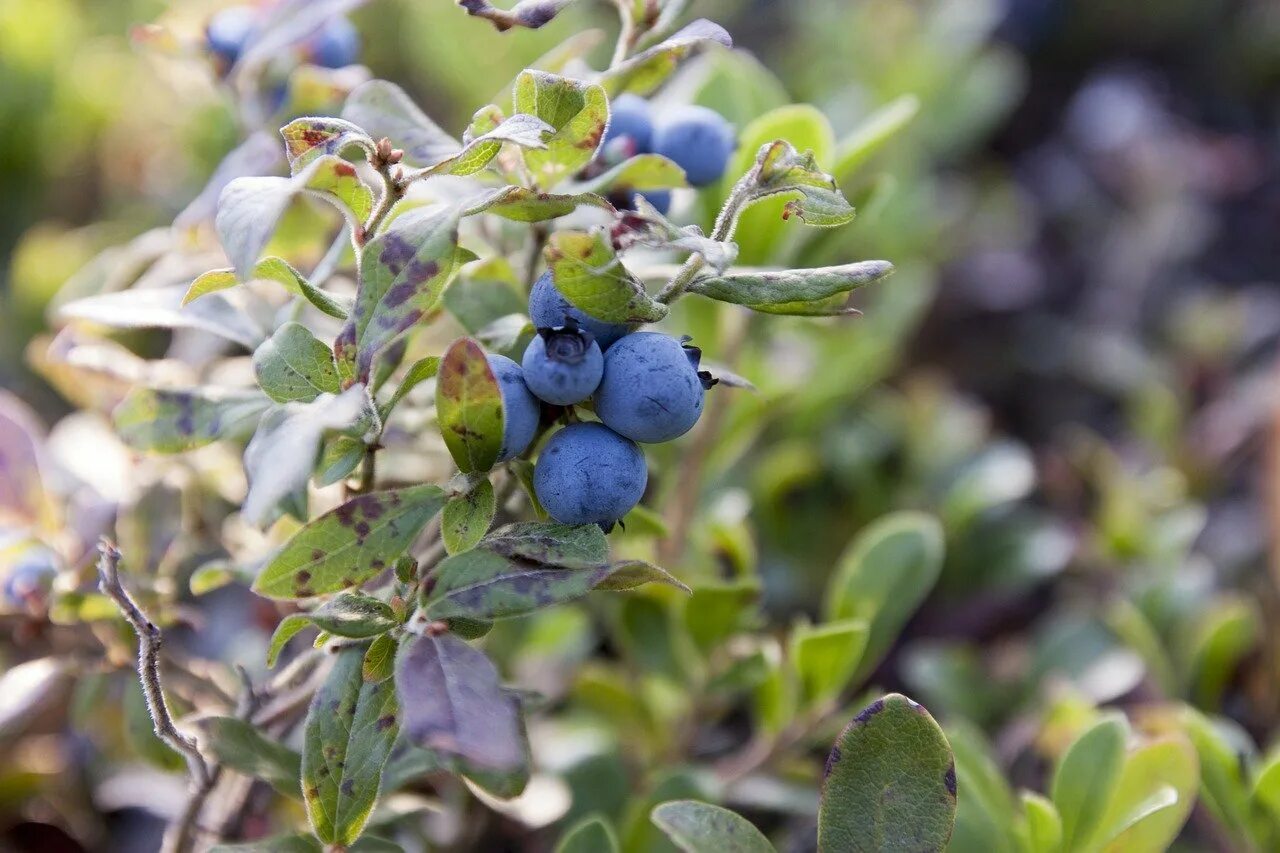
{"points": [[30, 577], [229, 30], [588, 474], [651, 390], [548, 308], [630, 128], [337, 45], [699, 140], [520, 409], [563, 365]]}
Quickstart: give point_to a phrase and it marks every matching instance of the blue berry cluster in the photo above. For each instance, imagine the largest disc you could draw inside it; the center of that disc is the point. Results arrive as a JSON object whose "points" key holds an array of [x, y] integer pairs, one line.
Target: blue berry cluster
{"points": [[230, 30], [696, 139], [645, 387]]}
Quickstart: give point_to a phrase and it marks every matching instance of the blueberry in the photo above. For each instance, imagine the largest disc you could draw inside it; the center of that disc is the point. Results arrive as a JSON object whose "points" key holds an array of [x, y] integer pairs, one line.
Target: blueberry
{"points": [[626, 199], [588, 474], [337, 45], [630, 128], [548, 308], [651, 390], [699, 140], [229, 30], [563, 365], [30, 577], [520, 409]]}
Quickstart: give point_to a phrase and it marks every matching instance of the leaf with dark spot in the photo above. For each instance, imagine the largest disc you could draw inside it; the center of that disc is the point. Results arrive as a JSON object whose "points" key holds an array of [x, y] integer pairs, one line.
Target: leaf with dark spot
{"points": [[307, 138], [328, 555], [889, 783], [568, 545], [469, 407], [350, 729], [454, 704], [466, 518], [175, 420], [579, 113], [403, 272], [590, 275]]}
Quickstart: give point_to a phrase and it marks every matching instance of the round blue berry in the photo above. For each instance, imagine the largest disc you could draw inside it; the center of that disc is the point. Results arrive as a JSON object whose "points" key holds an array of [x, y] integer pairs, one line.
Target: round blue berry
{"points": [[588, 474], [520, 409], [30, 577], [651, 390], [229, 30], [562, 366], [548, 308], [630, 127], [699, 140], [337, 45]]}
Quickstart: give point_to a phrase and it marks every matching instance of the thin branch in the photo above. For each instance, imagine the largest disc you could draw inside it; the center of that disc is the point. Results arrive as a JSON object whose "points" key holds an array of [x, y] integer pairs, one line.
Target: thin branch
{"points": [[726, 224], [180, 836]]}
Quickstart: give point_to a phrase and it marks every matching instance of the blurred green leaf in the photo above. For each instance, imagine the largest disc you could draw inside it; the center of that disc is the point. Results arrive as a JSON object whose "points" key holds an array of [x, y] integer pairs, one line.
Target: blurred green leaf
{"points": [[1085, 779], [649, 69], [177, 420], [826, 657], [883, 576], [355, 615], [1044, 826], [592, 835], [236, 744], [703, 828], [717, 611], [270, 269], [872, 134], [384, 110], [791, 291]]}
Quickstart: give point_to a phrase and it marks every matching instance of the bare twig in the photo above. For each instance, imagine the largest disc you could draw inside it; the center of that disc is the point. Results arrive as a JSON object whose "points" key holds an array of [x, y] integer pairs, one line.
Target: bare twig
{"points": [[181, 833]]}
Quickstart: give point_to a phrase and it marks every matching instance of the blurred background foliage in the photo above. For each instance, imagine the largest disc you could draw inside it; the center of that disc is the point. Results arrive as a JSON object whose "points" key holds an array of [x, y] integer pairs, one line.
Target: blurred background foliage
{"points": [[1073, 369]]}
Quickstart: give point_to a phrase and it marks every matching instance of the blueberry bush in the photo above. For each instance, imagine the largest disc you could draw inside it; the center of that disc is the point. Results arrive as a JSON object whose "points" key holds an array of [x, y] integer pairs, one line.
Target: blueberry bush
{"points": [[547, 479]]}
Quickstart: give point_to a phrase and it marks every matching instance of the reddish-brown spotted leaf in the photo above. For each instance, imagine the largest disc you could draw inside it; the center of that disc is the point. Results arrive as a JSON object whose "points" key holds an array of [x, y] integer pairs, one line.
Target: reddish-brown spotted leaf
{"points": [[469, 406]]}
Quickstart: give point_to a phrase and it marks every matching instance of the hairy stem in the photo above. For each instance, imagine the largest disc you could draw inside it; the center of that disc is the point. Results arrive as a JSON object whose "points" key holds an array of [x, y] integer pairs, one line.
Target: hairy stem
{"points": [[726, 224], [181, 834]]}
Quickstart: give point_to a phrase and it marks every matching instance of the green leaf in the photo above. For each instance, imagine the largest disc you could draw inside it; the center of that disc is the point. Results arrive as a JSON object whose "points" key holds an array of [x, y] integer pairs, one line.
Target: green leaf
{"points": [[1224, 786], [469, 407], [591, 835], [454, 704], [466, 518], [987, 815], [889, 783], [1266, 787], [355, 615], [339, 459], [274, 844], [1085, 778], [177, 420], [788, 291], [717, 611], [349, 545], [403, 271], [1140, 814], [883, 576], [697, 827], [521, 204], [874, 131], [590, 275], [236, 744], [782, 170], [250, 208], [212, 575], [480, 584], [350, 728], [380, 660], [294, 365], [1044, 826], [641, 172], [420, 371], [579, 113], [630, 574], [306, 139], [270, 269], [384, 110], [1227, 630], [414, 762], [649, 69], [826, 657], [527, 131], [289, 627], [569, 546]]}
